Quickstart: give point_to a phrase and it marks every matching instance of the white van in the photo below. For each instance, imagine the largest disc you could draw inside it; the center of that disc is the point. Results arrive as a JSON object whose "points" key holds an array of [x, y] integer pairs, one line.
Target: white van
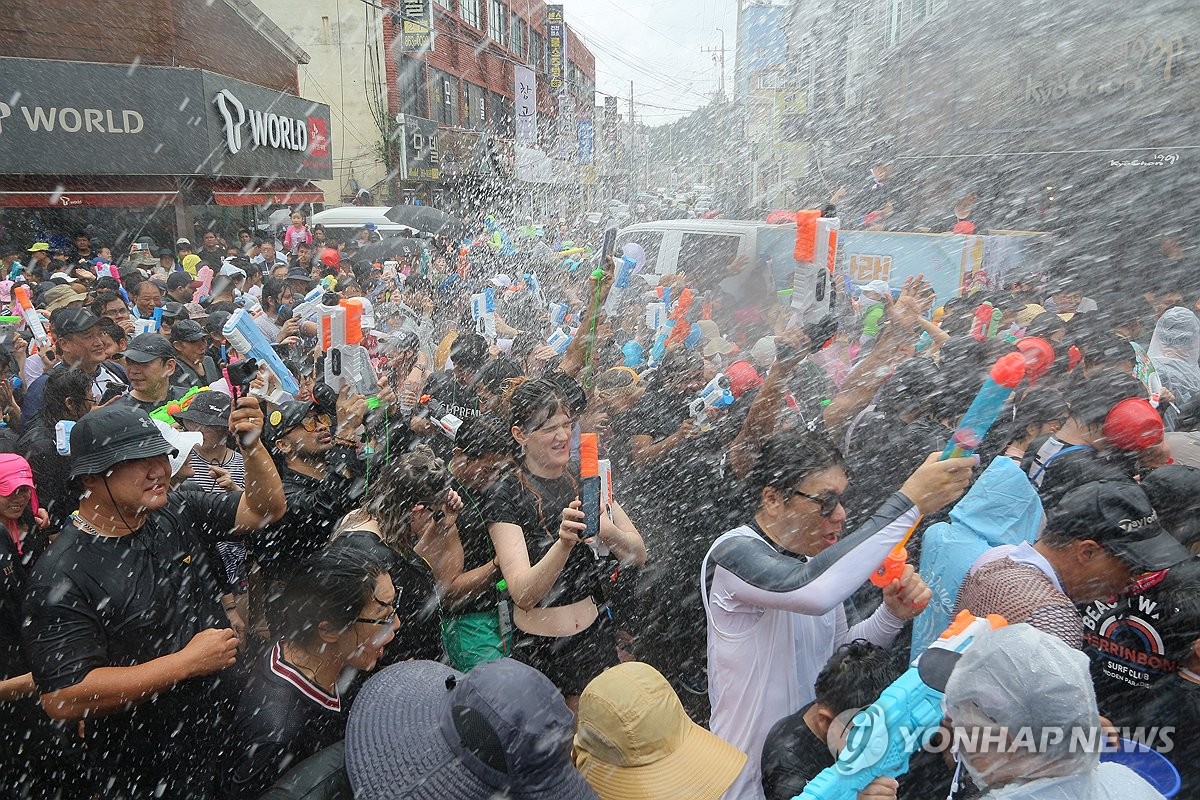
{"points": [[344, 222], [675, 245]]}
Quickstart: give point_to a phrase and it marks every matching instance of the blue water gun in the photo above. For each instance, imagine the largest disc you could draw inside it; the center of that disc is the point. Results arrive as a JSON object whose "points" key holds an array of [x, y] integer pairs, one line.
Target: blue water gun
{"points": [[1002, 380], [884, 735]]}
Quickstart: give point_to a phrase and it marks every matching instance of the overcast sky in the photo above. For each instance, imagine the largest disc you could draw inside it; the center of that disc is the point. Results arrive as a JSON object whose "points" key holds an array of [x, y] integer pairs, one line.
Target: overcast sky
{"points": [[658, 45]]}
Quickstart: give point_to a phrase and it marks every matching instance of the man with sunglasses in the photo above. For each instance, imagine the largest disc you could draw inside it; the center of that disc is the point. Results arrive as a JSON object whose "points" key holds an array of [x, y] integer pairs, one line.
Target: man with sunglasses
{"points": [[773, 588], [323, 479]]}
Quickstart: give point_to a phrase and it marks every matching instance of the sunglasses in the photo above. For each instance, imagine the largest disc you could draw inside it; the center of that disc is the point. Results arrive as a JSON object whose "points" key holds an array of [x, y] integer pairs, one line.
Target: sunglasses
{"points": [[315, 422], [828, 502]]}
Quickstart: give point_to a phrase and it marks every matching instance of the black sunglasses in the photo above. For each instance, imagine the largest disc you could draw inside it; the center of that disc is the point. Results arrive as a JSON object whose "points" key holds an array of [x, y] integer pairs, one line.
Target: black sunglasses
{"points": [[828, 502]]}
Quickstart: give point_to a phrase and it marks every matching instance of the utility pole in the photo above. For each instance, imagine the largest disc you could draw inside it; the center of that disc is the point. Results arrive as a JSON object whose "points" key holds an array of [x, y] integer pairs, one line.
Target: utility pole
{"points": [[632, 142], [719, 57]]}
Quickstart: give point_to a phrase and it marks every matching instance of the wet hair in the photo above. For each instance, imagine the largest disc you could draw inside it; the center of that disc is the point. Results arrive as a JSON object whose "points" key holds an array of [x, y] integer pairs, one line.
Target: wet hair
{"points": [[330, 586], [483, 435], [272, 288], [414, 478], [534, 402], [1045, 325], [469, 351], [1035, 407], [113, 331], [102, 300], [910, 388], [789, 457], [1105, 349], [855, 675], [495, 375], [1091, 399], [63, 385]]}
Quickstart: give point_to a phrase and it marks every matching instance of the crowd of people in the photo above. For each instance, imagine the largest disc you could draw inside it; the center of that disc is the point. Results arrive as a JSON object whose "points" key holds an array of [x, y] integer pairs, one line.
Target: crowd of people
{"points": [[221, 583]]}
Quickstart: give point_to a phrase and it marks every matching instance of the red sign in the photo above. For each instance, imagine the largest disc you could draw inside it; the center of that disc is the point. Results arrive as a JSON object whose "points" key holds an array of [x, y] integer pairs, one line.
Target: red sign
{"points": [[318, 137]]}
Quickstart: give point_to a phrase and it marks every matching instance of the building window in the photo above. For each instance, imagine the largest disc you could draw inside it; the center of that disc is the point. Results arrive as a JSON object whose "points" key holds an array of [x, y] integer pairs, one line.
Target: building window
{"points": [[469, 11], [446, 4], [443, 97], [537, 46], [498, 22], [476, 107], [520, 30]]}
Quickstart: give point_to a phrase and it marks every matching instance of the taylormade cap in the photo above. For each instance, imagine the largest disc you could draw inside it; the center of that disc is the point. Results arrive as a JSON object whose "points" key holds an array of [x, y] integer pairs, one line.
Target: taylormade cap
{"points": [[1118, 516]]}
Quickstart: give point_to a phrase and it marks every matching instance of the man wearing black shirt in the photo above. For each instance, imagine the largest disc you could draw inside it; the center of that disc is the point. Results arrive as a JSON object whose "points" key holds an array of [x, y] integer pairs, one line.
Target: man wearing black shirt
{"points": [[79, 343], [323, 480], [194, 367], [125, 628], [150, 363], [456, 387]]}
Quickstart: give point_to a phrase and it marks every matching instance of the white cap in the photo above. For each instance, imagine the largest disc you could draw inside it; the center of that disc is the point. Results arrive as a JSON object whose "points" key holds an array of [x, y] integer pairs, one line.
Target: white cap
{"points": [[762, 354], [880, 288], [64, 276], [182, 441], [230, 270]]}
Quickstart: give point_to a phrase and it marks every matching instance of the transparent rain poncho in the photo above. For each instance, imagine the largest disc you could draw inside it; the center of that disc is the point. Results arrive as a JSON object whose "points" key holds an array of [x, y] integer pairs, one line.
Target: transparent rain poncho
{"points": [[1175, 352], [1034, 687]]}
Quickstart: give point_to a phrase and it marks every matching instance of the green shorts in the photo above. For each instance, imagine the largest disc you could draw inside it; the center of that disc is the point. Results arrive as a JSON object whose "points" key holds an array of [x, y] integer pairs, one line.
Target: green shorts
{"points": [[473, 639]]}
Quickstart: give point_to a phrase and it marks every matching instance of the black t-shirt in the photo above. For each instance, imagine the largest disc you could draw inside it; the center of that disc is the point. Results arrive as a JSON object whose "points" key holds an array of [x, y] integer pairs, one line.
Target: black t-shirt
{"points": [[96, 601], [1126, 652], [282, 718], [1174, 704], [460, 399], [173, 393], [13, 574], [477, 548], [792, 756], [417, 602], [535, 505]]}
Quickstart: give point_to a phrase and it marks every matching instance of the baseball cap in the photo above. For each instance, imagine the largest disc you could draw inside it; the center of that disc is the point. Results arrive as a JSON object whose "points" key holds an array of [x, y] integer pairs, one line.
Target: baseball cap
{"points": [[186, 330], [207, 408], [635, 742], [1118, 516], [715, 344], [297, 272], [57, 297], [196, 311], [179, 280], [165, 252], [424, 731], [880, 288], [762, 354], [181, 442], [62, 276], [1174, 492], [145, 347], [69, 321], [39, 247], [174, 311], [183, 242], [285, 417], [111, 435]]}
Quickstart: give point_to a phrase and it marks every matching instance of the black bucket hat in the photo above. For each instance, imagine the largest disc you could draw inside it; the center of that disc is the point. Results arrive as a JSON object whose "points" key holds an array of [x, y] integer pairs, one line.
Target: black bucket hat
{"points": [[112, 435]]}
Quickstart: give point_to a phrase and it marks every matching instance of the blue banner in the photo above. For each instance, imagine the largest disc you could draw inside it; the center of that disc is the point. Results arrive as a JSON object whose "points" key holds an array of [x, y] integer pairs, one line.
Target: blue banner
{"points": [[587, 136]]}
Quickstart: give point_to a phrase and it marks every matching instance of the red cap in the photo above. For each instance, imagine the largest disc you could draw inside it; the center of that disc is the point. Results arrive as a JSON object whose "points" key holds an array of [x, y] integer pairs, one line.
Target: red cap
{"points": [[1039, 356], [1008, 370], [1133, 424], [742, 378]]}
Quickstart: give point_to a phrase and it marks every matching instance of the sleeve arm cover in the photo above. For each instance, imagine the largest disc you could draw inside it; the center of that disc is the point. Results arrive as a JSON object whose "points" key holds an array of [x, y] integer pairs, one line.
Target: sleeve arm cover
{"points": [[759, 575]]}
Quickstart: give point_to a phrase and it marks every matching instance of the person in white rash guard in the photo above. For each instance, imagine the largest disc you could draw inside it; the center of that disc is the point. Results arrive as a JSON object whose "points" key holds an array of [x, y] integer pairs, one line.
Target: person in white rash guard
{"points": [[774, 603]]}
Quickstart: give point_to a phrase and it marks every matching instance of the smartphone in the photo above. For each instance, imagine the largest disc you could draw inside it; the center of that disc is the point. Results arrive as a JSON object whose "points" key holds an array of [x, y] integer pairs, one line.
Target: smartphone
{"points": [[609, 247], [112, 392]]}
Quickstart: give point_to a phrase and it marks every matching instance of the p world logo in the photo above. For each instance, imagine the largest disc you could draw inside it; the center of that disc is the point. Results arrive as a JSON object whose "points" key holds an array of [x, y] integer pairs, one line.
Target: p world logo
{"points": [[267, 129]]}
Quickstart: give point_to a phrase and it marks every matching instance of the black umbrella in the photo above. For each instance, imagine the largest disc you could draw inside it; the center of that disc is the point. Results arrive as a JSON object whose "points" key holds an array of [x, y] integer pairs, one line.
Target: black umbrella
{"points": [[428, 220], [390, 248]]}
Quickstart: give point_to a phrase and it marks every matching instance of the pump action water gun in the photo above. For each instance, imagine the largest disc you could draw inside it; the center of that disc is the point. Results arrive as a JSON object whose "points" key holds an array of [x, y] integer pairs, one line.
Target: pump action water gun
{"points": [[311, 305], [716, 394], [241, 332], [440, 416], [997, 388], [483, 311], [30, 315], [883, 736], [347, 362]]}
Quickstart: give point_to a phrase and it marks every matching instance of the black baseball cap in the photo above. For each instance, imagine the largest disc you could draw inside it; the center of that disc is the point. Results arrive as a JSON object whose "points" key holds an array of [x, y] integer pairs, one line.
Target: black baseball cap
{"points": [[174, 311], [180, 280], [145, 347], [207, 408], [1118, 516], [166, 252], [1174, 491], [108, 436], [285, 417], [69, 321], [187, 330]]}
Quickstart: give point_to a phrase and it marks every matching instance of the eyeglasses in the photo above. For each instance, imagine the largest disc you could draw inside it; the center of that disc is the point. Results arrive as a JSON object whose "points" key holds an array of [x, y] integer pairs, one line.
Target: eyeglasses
{"points": [[828, 502], [316, 422], [394, 605]]}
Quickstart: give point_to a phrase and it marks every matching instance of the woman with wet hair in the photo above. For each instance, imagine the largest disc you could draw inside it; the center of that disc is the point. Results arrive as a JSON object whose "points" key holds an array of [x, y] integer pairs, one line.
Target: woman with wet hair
{"points": [[557, 580]]}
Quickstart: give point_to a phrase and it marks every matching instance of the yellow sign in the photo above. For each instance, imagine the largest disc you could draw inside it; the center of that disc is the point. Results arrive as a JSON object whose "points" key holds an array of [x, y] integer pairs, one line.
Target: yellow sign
{"points": [[791, 101], [865, 268]]}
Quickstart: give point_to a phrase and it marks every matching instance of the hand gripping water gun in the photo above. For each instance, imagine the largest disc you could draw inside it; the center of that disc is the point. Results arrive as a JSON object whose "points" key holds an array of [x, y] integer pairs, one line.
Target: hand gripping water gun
{"points": [[30, 315], [716, 394], [483, 311], [347, 362], [241, 332], [595, 491], [883, 736], [440, 416], [997, 388], [311, 305]]}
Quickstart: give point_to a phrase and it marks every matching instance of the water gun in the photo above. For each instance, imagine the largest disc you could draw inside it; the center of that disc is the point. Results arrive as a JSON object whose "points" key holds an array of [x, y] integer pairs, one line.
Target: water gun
{"points": [[595, 492], [166, 413], [483, 311], [534, 285], [716, 394], [151, 325], [626, 266], [884, 735], [30, 315], [558, 313], [500, 241], [440, 416], [241, 332], [347, 361], [560, 340], [680, 309], [987, 322], [311, 305], [1005, 374]]}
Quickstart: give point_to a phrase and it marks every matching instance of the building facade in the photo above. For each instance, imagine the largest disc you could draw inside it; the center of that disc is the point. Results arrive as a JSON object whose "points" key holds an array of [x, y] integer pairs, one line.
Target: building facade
{"points": [[184, 110]]}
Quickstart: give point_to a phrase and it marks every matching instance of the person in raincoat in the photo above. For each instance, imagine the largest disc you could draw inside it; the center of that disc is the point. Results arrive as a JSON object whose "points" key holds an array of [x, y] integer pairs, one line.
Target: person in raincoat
{"points": [[1001, 508], [1175, 353], [1017, 681]]}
